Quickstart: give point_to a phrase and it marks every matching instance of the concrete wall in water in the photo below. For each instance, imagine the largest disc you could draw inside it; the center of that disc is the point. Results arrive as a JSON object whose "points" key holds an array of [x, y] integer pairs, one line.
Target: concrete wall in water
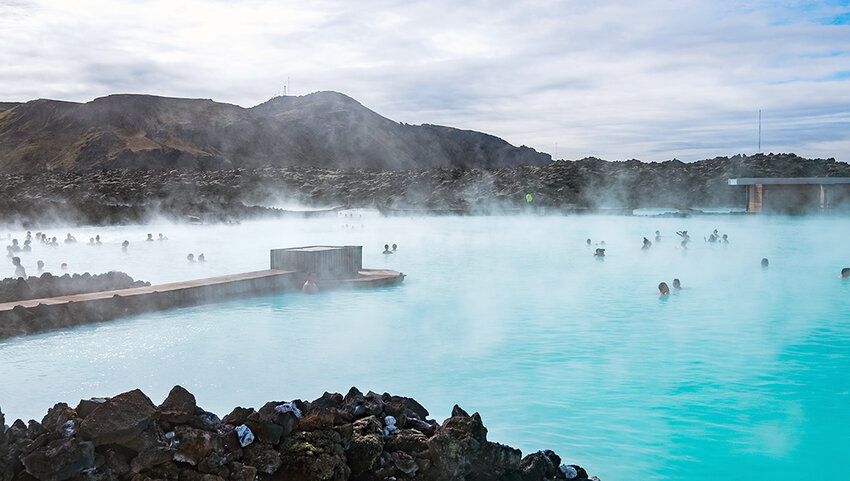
{"points": [[329, 262], [38, 315]]}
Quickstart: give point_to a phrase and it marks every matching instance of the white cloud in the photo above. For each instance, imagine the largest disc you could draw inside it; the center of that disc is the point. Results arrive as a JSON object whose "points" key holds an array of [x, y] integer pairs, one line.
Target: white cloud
{"points": [[650, 80]]}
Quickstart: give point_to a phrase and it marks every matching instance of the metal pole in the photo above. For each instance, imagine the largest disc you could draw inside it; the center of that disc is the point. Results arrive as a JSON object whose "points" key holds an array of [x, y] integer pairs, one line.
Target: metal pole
{"points": [[759, 130]]}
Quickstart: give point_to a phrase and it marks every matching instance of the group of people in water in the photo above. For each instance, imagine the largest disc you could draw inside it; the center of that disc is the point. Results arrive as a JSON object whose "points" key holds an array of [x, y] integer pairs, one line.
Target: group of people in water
{"points": [[387, 249], [191, 257], [15, 248], [713, 238], [664, 289]]}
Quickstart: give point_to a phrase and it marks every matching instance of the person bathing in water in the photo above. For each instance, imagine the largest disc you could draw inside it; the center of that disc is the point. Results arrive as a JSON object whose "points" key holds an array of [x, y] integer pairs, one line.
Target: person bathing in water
{"points": [[646, 244], [19, 269], [310, 286], [600, 253], [764, 263], [845, 273], [676, 284], [387, 249], [663, 290]]}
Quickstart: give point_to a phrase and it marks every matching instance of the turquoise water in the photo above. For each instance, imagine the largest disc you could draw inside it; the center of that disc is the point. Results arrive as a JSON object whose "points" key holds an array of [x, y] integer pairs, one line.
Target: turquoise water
{"points": [[743, 374]]}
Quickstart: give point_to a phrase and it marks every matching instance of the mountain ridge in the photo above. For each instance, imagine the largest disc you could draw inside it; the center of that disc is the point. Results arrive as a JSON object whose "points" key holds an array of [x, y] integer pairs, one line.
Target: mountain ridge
{"points": [[323, 129]]}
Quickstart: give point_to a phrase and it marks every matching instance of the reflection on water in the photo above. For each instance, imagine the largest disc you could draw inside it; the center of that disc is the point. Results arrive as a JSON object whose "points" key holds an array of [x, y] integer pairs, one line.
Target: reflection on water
{"points": [[744, 370]]}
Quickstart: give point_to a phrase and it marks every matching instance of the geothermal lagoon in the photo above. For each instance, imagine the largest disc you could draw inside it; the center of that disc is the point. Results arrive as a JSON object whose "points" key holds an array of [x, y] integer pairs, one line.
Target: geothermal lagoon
{"points": [[742, 374]]}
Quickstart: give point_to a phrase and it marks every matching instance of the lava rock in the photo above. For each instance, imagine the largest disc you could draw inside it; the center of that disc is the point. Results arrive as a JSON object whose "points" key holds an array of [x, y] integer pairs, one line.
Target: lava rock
{"points": [[194, 444], [178, 407], [60, 460], [313, 456], [119, 419], [151, 457], [365, 446], [541, 465]]}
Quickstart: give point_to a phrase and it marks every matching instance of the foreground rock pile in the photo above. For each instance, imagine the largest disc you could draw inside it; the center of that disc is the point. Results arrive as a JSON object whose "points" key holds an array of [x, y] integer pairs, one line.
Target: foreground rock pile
{"points": [[48, 285], [358, 437]]}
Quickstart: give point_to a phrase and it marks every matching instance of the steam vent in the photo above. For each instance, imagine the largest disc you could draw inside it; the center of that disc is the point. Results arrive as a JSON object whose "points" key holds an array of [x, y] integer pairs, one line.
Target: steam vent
{"points": [[334, 267]]}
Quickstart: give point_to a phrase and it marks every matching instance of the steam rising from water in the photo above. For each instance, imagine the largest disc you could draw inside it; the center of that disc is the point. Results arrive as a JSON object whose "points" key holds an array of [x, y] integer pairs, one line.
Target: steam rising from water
{"points": [[744, 368]]}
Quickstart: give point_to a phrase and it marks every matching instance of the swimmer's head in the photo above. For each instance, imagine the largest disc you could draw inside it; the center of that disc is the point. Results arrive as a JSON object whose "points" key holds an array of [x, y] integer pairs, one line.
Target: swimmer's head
{"points": [[663, 289], [395, 246], [40, 265], [16, 261], [64, 266], [588, 241], [764, 262], [677, 284], [845, 273]]}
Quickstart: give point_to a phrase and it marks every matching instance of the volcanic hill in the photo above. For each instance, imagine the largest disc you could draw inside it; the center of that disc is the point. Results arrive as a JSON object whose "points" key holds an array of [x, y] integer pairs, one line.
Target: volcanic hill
{"points": [[324, 130]]}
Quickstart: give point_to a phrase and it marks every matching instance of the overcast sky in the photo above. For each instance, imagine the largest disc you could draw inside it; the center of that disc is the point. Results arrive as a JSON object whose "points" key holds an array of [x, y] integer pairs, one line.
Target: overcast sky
{"points": [[651, 80]]}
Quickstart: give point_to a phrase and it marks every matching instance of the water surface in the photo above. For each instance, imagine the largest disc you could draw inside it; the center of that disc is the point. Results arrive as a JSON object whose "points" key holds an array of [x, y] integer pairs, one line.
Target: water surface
{"points": [[743, 374]]}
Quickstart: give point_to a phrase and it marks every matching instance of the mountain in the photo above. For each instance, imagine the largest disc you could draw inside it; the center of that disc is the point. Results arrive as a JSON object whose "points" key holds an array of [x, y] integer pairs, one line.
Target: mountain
{"points": [[324, 130]]}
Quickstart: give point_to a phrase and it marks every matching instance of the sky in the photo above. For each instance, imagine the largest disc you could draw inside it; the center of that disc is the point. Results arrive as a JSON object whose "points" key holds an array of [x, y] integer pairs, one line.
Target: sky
{"points": [[652, 80]]}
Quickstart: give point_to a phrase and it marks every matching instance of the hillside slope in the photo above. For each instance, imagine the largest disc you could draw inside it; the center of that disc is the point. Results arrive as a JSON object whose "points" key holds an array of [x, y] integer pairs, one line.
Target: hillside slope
{"points": [[324, 129]]}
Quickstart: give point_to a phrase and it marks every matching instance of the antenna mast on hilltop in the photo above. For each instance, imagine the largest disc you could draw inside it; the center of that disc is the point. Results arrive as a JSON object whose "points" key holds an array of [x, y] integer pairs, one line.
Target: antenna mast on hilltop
{"points": [[759, 131]]}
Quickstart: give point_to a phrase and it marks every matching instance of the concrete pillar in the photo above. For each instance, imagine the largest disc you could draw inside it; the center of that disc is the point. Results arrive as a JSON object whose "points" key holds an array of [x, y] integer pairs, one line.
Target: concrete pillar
{"points": [[754, 197]]}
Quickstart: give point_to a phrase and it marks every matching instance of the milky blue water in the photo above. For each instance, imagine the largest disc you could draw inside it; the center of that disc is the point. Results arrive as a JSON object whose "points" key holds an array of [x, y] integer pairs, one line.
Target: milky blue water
{"points": [[743, 374]]}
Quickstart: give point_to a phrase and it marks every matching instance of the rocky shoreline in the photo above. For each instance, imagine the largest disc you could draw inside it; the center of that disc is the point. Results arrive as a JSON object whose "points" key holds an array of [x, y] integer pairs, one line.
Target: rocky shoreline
{"points": [[589, 185], [48, 285], [20, 321], [359, 437]]}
